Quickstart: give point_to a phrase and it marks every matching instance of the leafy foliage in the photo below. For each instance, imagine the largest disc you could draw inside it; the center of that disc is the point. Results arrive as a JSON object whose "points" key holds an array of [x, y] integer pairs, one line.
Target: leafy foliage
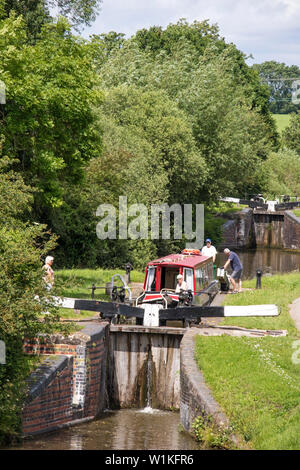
{"points": [[38, 12], [284, 172], [279, 78], [291, 134], [230, 134], [48, 121], [22, 248]]}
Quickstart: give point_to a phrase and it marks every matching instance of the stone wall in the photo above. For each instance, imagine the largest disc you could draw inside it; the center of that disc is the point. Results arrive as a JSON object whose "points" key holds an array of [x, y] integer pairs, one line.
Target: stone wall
{"points": [[195, 397], [69, 386]]}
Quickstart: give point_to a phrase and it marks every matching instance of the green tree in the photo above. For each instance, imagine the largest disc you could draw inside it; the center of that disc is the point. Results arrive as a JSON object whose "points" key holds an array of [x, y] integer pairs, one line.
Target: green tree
{"points": [[38, 12], [291, 134], [279, 78], [200, 35], [233, 136], [35, 13], [283, 168], [22, 250], [48, 121], [149, 155]]}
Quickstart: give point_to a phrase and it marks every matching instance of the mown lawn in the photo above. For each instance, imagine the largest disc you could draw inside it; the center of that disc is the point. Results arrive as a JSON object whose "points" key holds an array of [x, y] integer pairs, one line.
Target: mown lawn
{"points": [[297, 212], [282, 121], [76, 283], [255, 380], [225, 208]]}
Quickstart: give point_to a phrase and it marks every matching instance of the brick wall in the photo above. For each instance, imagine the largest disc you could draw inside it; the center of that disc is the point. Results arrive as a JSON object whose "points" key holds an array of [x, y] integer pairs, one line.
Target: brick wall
{"points": [[291, 231], [68, 387], [49, 403]]}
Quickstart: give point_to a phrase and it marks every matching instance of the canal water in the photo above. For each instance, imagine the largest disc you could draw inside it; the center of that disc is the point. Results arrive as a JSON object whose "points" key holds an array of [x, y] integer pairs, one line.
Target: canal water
{"points": [[271, 261], [119, 430]]}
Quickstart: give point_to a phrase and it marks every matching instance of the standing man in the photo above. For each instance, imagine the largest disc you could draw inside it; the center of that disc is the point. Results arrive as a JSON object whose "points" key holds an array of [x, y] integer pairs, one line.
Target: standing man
{"points": [[49, 273], [209, 250], [237, 269]]}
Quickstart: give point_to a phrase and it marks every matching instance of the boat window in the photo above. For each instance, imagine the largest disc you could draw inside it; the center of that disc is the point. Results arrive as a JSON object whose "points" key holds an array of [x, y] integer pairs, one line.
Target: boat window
{"points": [[205, 275], [199, 279], [151, 279], [211, 274], [188, 277]]}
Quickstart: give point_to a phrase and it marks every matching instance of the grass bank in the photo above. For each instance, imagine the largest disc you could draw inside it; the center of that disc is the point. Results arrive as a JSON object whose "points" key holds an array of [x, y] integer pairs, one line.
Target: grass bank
{"points": [[255, 380], [282, 121], [297, 212], [76, 283]]}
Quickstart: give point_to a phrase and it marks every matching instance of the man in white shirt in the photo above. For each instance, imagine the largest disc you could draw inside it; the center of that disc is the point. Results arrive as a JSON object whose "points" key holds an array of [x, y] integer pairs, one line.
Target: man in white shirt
{"points": [[209, 250], [181, 284]]}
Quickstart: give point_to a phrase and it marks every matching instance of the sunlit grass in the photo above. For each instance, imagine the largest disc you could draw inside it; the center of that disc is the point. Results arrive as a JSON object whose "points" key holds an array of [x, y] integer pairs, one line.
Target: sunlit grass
{"points": [[255, 380], [77, 283], [282, 121], [297, 212]]}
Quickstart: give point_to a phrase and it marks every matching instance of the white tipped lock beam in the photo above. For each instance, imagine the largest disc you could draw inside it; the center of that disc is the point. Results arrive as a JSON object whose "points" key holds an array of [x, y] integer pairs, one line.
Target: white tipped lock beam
{"points": [[251, 311], [152, 312]]}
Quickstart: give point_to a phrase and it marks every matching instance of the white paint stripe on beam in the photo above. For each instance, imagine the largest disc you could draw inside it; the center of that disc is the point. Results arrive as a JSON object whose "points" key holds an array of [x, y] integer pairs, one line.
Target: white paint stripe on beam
{"points": [[66, 302], [230, 199], [251, 311]]}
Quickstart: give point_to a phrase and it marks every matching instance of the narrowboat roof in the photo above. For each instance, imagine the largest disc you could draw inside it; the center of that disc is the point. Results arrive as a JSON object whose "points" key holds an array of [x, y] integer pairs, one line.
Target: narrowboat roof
{"points": [[189, 261]]}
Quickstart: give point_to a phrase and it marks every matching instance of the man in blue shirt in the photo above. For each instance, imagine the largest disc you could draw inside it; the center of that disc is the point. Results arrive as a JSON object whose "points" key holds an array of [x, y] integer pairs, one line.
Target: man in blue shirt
{"points": [[237, 269]]}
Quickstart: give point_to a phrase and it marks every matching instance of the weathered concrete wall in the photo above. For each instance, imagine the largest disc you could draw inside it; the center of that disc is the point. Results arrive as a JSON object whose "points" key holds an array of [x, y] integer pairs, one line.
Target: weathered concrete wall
{"points": [[237, 232], [69, 387], [249, 228], [268, 229], [139, 355], [195, 397]]}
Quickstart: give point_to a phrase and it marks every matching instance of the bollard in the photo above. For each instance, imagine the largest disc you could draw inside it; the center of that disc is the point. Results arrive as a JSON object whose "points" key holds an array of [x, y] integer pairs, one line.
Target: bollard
{"points": [[93, 291], [258, 278], [108, 288], [128, 268]]}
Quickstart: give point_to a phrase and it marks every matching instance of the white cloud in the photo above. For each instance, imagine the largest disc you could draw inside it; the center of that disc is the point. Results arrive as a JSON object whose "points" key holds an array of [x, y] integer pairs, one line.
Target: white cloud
{"points": [[269, 29]]}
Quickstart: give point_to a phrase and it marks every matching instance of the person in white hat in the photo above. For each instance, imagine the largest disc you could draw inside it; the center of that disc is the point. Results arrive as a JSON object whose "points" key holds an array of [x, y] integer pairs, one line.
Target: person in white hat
{"points": [[181, 284], [209, 250], [49, 273]]}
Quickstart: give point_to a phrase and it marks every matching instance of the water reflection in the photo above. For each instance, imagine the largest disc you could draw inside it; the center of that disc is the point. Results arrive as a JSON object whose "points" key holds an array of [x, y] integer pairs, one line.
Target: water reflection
{"points": [[269, 260], [120, 430]]}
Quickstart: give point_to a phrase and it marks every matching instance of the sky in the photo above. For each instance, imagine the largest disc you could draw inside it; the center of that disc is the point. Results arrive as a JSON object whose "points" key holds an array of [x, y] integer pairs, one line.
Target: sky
{"points": [[267, 29]]}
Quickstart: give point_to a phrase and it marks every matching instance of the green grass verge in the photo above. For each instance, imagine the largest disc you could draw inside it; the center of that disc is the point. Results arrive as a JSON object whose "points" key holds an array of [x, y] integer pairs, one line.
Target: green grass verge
{"points": [[255, 380], [226, 208], [282, 121], [297, 212], [76, 283]]}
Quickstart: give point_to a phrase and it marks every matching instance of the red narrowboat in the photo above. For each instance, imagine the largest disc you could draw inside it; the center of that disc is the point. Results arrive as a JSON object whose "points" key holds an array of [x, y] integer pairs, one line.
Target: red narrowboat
{"points": [[198, 275]]}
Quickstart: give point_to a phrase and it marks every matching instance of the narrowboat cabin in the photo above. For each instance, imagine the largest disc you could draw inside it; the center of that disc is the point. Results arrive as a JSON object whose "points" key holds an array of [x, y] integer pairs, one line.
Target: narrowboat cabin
{"points": [[197, 271]]}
